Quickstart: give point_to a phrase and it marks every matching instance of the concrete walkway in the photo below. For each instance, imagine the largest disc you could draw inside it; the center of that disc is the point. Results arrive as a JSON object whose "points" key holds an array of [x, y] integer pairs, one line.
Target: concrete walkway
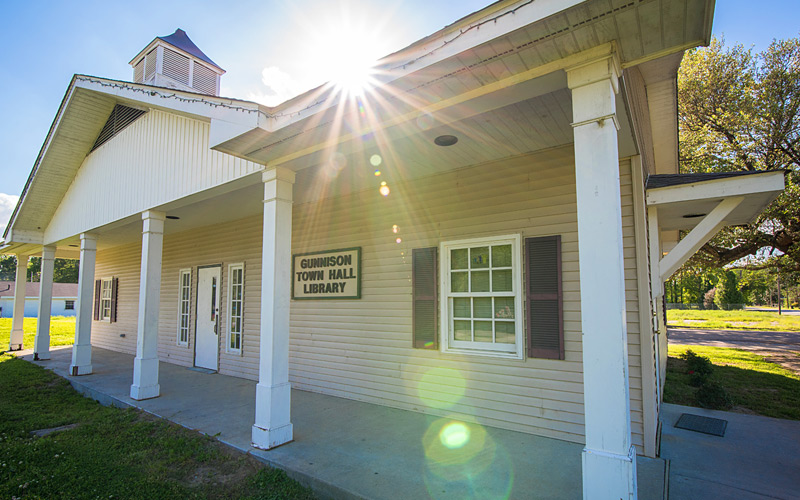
{"points": [[758, 458], [348, 449]]}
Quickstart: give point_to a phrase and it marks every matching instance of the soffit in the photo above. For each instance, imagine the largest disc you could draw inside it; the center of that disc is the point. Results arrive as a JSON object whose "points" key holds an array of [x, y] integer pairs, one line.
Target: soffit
{"points": [[642, 30]]}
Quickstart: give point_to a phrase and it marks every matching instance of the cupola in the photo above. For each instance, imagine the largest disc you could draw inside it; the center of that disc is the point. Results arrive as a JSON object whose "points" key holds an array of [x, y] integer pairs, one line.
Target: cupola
{"points": [[175, 62]]}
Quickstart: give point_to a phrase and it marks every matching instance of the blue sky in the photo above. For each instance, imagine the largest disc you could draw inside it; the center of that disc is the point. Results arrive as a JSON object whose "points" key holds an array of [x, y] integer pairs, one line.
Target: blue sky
{"points": [[254, 40]]}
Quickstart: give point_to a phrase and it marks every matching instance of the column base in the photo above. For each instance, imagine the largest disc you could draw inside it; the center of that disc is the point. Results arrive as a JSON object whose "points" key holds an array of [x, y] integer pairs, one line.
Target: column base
{"points": [[41, 356], [15, 340], [145, 378], [608, 475], [266, 439], [76, 370], [147, 392]]}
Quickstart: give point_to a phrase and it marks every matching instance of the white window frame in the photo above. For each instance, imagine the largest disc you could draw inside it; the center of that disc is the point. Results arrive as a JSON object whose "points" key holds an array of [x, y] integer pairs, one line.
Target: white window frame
{"points": [[184, 299], [448, 342], [106, 285], [229, 302]]}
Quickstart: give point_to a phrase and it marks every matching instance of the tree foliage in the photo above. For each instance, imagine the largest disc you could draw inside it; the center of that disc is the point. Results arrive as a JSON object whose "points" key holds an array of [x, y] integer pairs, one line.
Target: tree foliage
{"points": [[738, 111], [64, 270]]}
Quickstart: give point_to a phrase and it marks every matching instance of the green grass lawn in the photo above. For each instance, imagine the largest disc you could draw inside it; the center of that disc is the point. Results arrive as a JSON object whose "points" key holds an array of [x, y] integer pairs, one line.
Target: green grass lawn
{"points": [[113, 453], [751, 382], [733, 320], [62, 331]]}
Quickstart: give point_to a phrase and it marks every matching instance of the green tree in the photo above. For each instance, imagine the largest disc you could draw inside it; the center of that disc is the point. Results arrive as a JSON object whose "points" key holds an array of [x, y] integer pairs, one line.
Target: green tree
{"points": [[738, 111], [8, 268], [64, 270], [728, 295]]}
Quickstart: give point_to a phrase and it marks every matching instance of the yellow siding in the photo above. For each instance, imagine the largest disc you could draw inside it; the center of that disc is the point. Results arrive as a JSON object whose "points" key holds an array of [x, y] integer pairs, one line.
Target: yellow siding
{"points": [[361, 349]]}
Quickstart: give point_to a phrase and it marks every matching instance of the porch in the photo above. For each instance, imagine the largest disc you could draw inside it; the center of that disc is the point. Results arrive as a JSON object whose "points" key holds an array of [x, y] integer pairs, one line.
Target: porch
{"points": [[348, 449]]}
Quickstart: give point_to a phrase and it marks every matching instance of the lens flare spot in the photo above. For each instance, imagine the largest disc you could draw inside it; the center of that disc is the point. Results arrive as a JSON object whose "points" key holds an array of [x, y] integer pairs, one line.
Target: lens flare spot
{"points": [[375, 160], [384, 190], [377, 173], [454, 435], [462, 458], [395, 228], [398, 240], [441, 387], [425, 121]]}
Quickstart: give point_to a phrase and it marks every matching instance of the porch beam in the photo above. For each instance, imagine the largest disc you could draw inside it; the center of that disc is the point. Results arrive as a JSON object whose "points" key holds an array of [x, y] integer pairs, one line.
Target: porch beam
{"points": [[145, 364], [82, 349], [273, 425], [41, 343], [697, 237], [17, 332], [609, 459]]}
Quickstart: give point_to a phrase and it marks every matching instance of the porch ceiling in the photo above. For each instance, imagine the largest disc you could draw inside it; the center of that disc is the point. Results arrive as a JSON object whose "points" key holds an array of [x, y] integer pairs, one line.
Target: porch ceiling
{"points": [[484, 89]]}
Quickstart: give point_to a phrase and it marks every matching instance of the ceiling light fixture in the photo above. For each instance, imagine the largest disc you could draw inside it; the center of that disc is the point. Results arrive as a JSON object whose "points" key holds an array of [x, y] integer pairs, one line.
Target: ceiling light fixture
{"points": [[693, 216], [173, 217], [445, 140]]}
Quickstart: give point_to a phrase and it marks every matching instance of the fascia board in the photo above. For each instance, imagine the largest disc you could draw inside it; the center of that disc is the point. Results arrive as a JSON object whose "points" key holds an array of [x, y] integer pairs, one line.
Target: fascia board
{"points": [[50, 134], [187, 103], [720, 188]]}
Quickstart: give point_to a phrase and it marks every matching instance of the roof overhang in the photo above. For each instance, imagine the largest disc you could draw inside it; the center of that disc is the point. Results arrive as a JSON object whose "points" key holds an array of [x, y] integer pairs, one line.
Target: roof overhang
{"points": [[684, 203], [704, 204]]}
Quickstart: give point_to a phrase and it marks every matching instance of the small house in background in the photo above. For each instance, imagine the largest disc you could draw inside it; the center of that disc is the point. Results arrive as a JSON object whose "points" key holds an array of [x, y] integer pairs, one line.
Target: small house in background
{"points": [[65, 295], [482, 233]]}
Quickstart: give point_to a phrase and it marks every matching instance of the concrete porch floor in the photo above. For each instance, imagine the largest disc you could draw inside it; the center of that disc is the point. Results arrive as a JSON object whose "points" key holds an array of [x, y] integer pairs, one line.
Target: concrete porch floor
{"points": [[348, 449]]}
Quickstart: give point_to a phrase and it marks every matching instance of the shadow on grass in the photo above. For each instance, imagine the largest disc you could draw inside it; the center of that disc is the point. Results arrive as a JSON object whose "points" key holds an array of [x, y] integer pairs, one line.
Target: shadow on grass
{"points": [[113, 453], [768, 394]]}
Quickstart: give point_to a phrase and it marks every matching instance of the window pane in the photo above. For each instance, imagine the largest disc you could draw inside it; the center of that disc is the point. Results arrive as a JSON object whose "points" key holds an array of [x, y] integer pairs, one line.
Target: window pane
{"points": [[479, 257], [462, 330], [483, 331], [459, 282], [483, 307], [504, 307], [501, 281], [459, 259], [501, 256], [505, 332], [461, 308], [480, 281]]}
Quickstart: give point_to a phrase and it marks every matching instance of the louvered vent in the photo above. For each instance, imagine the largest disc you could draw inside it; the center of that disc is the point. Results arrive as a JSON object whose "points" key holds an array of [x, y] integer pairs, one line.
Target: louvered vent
{"points": [[176, 66], [121, 117], [138, 71], [204, 80], [150, 65]]}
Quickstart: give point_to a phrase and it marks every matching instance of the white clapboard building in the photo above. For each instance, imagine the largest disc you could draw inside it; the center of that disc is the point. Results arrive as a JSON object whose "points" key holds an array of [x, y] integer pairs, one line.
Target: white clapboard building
{"points": [[493, 219]]}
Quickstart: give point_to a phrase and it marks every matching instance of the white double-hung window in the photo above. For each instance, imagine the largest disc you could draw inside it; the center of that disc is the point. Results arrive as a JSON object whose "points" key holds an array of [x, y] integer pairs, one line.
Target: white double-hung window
{"points": [[481, 306], [105, 299]]}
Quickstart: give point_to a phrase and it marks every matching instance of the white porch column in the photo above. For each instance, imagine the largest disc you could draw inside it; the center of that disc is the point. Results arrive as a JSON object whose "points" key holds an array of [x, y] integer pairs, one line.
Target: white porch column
{"points": [[609, 459], [17, 333], [273, 426], [145, 365], [82, 350], [41, 343]]}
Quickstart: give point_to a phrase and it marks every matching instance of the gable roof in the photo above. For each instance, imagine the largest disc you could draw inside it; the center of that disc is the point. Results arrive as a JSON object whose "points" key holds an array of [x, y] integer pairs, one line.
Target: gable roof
{"points": [[69, 290], [182, 41]]}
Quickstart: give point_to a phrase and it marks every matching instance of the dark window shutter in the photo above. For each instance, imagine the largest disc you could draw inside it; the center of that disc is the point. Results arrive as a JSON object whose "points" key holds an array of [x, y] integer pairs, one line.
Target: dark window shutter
{"points": [[114, 286], [424, 297], [544, 305], [97, 286]]}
